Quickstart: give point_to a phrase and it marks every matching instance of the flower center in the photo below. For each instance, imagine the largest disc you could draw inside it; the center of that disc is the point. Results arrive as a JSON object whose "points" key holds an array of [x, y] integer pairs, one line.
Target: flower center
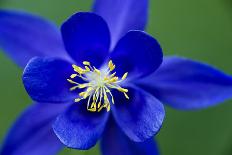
{"points": [[97, 85]]}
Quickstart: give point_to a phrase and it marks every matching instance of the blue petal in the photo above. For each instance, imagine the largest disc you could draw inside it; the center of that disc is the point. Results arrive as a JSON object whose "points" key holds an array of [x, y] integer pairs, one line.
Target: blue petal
{"points": [[32, 133], [186, 84], [45, 80], [122, 16], [23, 36], [86, 37], [114, 142], [137, 53], [140, 117], [78, 128]]}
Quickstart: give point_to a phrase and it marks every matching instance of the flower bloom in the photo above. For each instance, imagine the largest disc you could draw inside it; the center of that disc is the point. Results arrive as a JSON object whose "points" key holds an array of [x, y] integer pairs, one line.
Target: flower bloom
{"points": [[103, 87], [98, 83]]}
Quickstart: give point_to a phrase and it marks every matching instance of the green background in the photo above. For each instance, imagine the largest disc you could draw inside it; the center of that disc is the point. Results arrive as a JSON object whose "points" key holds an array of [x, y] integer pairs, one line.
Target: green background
{"points": [[198, 29]]}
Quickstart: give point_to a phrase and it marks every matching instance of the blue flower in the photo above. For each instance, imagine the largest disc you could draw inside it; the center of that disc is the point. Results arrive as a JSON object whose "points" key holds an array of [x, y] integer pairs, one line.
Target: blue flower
{"points": [[62, 84], [98, 84]]}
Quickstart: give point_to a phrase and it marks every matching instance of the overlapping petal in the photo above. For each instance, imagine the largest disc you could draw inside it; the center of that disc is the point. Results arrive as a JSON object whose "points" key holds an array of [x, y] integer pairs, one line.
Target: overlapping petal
{"points": [[87, 38], [45, 80], [186, 84], [115, 142], [137, 53], [140, 117], [23, 36], [32, 133], [122, 16], [78, 128]]}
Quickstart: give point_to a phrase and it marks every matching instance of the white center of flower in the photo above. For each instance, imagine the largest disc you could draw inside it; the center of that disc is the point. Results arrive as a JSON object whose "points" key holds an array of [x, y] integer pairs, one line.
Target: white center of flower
{"points": [[97, 85]]}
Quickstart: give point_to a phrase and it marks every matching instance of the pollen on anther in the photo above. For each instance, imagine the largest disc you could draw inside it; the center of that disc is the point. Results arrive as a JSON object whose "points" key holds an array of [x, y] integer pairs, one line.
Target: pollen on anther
{"points": [[86, 63], [111, 65], [97, 85], [124, 76], [73, 76], [77, 100]]}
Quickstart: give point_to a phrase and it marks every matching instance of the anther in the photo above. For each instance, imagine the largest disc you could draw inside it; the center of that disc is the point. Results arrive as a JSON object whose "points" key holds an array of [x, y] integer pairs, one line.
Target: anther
{"points": [[97, 86]]}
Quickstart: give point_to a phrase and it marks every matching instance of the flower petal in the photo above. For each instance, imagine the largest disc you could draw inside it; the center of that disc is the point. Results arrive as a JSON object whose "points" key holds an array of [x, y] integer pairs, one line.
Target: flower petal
{"points": [[115, 142], [186, 84], [45, 80], [87, 38], [122, 16], [32, 133], [23, 36], [137, 53], [78, 128], [140, 117]]}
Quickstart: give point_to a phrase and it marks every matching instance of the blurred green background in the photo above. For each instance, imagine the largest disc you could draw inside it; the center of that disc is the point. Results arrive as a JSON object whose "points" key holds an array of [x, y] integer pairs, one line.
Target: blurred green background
{"points": [[198, 29]]}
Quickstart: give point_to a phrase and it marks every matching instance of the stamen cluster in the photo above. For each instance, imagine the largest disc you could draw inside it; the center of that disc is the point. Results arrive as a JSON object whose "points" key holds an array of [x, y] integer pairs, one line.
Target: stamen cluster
{"points": [[97, 85]]}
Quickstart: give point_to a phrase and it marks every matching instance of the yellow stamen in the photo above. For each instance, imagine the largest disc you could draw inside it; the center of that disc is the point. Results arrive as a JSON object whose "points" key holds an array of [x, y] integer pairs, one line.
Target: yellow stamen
{"points": [[124, 76], [83, 85], [86, 63], [97, 86], [78, 69], [82, 94], [73, 88], [71, 81], [77, 100], [89, 89], [114, 79], [97, 71], [112, 75], [123, 90], [73, 76], [87, 68], [126, 96], [111, 65]]}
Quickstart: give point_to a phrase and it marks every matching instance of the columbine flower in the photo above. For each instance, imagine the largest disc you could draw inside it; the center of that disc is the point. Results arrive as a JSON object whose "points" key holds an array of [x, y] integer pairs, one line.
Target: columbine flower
{"points": [[116, 96], [97, 83]]}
